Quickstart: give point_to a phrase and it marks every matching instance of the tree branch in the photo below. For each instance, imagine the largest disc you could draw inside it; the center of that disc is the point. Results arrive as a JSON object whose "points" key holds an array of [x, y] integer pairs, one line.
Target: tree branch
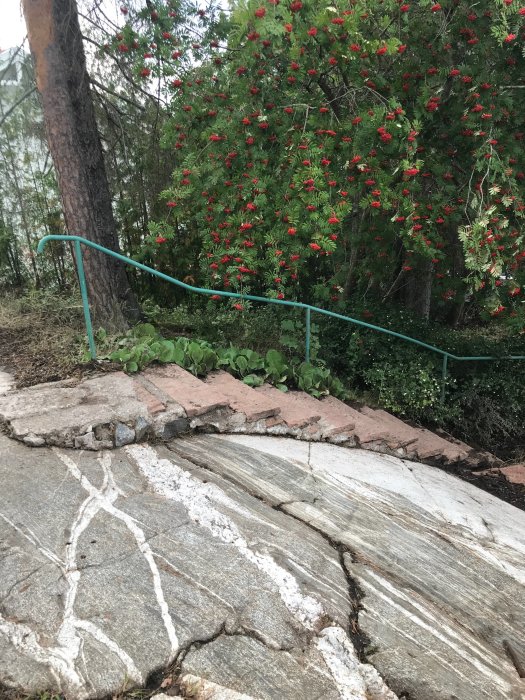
{"points": [[6, 115], [125, 73], [116, 94]]}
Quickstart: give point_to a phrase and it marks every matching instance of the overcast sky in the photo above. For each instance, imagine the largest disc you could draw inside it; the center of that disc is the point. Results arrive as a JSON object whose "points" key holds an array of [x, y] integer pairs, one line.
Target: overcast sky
{"points": [[13, 28], [12, 25]]}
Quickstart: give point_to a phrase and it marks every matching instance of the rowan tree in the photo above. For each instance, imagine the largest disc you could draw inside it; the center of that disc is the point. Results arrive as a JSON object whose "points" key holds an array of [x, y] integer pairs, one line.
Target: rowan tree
{"points": [[324, 148]]}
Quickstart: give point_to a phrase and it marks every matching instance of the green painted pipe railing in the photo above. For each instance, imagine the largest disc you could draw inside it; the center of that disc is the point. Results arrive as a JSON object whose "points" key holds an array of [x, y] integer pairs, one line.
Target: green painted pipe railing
{"points": [[78, 241]]}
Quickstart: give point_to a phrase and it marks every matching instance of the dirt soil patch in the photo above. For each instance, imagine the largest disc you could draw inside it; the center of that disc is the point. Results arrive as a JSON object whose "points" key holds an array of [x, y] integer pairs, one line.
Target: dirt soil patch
{"points": [[42, 341]]}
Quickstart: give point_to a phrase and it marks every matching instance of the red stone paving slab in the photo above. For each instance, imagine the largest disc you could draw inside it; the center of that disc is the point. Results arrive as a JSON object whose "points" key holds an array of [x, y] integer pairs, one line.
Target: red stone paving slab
{"points": [[272, 421], [366, 429], [427, 444], [195, 396], [403, 434], [242, 398], [463, 445], [431, 445], [152, 403], [515, 473], [295, 411], [332, 422]]}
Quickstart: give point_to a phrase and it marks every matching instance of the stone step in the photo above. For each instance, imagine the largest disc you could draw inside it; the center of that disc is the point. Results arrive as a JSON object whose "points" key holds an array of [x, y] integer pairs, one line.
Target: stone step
{"points": [[296, 412], [195, 396], [366, 429], [166, 400], [149, 397], [242, 398], [89, 414], [403, 434], [515, 473], [420, 442], [431, 445], [332, 422]]}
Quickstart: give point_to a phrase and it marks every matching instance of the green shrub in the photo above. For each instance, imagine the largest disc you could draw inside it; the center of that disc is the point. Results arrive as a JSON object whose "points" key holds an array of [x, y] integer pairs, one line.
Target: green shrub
{"points": [[318, 381], [483, 400], [408, 390], [143, 345]]}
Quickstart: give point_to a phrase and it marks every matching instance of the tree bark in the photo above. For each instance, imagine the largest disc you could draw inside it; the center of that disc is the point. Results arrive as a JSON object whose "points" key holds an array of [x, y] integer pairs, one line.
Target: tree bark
{"points": [[418, 289], [63, 83]]}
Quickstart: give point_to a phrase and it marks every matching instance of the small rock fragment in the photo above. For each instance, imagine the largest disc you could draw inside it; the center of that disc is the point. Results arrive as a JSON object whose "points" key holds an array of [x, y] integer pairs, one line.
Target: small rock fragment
{"points": [[104, 432], [87, 441], [141, 428], [123, 435], [202, 689], [170, 429], [34, 440]]}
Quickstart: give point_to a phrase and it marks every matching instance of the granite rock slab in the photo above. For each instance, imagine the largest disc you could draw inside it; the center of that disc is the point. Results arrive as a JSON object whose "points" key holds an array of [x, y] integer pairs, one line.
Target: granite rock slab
{"points": [[120, 563], [440, 563]]}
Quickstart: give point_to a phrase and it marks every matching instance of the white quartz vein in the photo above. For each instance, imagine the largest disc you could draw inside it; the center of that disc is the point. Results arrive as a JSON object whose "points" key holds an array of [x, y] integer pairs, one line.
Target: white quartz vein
{"points": [[25, 640], [61, 658], [191, 580], [440, 630], [30, 536], [354, 680], [174, 483], [67, 636], [105, 501]]}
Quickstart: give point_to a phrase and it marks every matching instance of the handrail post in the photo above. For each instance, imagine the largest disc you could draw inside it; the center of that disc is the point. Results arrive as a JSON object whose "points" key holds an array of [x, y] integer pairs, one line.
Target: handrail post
{"points": [[443, 378], [307, 354], [85, 301]]}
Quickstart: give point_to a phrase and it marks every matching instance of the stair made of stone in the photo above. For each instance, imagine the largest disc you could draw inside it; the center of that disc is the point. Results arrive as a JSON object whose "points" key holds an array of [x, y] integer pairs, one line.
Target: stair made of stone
{"points": [[266, 409], [166, 400], [421, 444]]}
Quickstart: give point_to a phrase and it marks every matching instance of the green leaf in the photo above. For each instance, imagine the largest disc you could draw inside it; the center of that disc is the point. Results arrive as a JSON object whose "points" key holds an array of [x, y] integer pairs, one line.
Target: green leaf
{"points": [[242, 363], [178, 355], [145, 329], [195, 352], [166, 351], [253, 380]]}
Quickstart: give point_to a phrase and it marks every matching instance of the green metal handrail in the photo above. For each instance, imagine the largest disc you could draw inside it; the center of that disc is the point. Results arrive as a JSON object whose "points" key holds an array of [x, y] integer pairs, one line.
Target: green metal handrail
{"points": [[78, 240]]}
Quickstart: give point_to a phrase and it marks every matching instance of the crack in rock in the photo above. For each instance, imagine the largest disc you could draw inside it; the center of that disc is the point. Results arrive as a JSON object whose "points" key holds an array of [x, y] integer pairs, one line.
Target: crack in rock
{"points": [[353, 679], [20, 581], [171, 481], [194, 460], [65, 658], [359, 639]]}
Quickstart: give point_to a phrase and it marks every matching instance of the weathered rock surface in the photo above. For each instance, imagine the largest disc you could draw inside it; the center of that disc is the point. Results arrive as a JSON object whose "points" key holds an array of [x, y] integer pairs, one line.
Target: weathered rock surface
{"points": [[238, 559], [117, 564], [441, 564], [98, 413], [6, 382]]}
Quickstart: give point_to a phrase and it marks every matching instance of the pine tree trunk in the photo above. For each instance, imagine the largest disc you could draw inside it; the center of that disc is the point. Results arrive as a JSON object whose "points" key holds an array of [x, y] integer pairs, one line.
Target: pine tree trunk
{"points": [[63, 83]]}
